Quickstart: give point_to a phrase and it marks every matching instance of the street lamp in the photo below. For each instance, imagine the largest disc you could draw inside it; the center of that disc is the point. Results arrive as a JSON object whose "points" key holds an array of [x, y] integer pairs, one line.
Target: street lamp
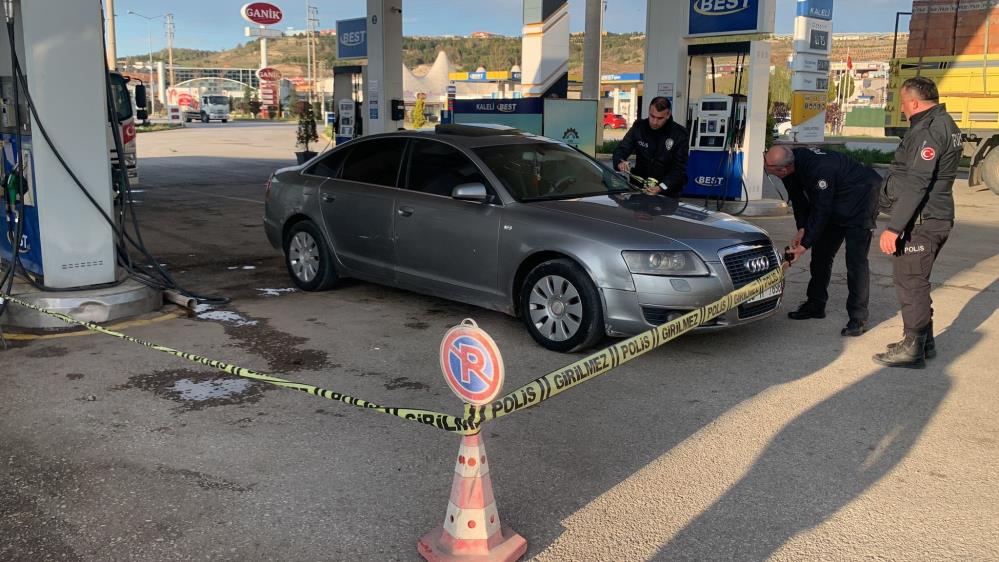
{"points": [[149, 36]]}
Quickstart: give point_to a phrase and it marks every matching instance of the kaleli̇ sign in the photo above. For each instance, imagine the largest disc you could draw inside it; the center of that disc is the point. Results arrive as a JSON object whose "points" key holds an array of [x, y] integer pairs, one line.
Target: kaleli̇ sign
{"points": [[269, 74], [261, 13]]}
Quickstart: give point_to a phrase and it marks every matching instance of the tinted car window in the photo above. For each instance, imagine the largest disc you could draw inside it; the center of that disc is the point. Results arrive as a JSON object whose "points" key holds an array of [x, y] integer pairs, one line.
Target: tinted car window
{"points": [[328, 166], [437, 168], [549, 171], [375, 161]]}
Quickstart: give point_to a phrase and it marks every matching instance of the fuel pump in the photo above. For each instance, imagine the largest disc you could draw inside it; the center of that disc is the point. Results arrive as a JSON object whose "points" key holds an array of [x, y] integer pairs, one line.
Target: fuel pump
{"points": [[714, 167]]}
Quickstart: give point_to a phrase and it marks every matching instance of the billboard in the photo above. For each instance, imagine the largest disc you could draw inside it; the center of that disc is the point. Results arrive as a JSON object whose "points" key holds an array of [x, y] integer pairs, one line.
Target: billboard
{"points": [[573, 122], [352, 38], [524, 113], [726, 17], [819, 9]]}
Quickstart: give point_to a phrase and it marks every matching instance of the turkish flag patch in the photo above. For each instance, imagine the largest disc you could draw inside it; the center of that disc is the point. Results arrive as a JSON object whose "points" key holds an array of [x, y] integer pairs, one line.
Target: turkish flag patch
{"points": [[928, 153]]}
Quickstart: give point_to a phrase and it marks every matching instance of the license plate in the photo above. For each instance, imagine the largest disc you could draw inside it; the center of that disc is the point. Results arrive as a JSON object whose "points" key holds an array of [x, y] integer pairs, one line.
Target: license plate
{"points": [[770, 293]]}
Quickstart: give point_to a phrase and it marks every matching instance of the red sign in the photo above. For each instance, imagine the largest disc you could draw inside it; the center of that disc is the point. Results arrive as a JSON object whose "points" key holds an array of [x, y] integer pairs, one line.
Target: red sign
{"points": [[261, 13], [127, 131], [187, 100], [928, 153], [472, 364], [269, 74]]}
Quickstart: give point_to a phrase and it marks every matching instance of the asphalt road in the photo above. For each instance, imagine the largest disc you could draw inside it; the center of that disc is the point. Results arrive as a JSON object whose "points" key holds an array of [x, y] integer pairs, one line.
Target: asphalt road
{"points": [[779, 440]]}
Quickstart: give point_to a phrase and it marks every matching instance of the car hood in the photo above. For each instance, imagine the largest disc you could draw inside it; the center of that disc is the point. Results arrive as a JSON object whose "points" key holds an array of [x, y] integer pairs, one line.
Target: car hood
{"points": [[705, 231]]}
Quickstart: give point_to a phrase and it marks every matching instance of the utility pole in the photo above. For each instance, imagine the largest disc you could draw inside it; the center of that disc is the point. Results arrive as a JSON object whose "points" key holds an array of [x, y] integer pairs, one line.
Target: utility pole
{"points": [[592, 40], [169, 39], [112, 52], [312, 28], [152, 94]]}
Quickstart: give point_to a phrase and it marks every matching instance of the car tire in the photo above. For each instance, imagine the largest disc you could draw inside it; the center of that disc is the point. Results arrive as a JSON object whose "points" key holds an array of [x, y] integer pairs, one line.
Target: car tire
{"points": [[225, 120], [204, 118], [308, 258], [561, 307]]}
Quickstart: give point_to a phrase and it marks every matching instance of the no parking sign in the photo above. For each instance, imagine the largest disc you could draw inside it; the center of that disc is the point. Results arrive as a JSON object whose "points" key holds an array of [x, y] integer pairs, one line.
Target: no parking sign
{"points": [[471, 362]]}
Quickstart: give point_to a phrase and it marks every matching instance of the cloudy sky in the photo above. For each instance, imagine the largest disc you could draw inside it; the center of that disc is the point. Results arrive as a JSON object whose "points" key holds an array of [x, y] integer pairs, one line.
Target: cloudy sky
{"points": [[216, 24]]}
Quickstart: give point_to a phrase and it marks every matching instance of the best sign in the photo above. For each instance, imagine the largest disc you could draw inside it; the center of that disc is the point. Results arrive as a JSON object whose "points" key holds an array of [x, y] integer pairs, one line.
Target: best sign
{"points": [[261, 13]]}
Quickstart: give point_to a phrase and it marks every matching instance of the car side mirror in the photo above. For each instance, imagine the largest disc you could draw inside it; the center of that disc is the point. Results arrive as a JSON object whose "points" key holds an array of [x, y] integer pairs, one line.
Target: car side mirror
{"points": [[140, 95], [470, 192]]}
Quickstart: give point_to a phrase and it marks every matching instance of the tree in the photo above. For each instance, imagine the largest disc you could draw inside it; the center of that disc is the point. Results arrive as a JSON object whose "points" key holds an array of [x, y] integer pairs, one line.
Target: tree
{"points": [[306, 126], [419, 119]]}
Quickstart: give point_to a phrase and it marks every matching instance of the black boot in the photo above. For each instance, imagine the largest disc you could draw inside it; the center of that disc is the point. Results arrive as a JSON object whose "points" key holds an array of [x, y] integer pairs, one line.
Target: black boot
{"points": [[930, 349], [907, 353], [808, 309], [854, 328]]}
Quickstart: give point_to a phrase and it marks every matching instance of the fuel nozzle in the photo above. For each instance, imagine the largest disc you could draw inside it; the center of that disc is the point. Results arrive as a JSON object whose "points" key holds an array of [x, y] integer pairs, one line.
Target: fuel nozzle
{"points": [[12, 189]]}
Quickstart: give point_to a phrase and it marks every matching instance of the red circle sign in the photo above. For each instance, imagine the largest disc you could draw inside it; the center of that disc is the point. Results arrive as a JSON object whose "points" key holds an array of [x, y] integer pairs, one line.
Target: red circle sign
{"points": [[261, 13], [472, 364], [928, 153], [269, 74]]}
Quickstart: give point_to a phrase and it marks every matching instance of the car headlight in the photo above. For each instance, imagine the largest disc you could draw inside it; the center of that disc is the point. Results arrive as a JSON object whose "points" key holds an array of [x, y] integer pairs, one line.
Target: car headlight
{"points": [[676, 263]]}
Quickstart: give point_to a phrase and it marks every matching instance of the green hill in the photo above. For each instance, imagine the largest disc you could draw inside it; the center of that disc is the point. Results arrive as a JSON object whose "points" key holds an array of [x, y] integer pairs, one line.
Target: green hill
{"points": [[622, 52]]}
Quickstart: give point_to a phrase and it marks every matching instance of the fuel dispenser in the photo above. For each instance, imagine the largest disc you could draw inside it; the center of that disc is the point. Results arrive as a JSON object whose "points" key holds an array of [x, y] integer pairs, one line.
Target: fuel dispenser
{"points": [[714, 167], [347, 87]]}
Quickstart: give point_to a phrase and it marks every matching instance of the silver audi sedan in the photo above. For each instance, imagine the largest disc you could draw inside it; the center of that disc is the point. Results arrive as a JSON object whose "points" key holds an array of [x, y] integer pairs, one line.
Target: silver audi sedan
{"points": [[512, 222]]}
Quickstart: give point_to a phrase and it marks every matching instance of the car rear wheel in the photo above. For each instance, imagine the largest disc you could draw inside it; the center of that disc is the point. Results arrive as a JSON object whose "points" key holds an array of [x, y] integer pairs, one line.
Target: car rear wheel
{"points": [[561, 307], [308, 258]]}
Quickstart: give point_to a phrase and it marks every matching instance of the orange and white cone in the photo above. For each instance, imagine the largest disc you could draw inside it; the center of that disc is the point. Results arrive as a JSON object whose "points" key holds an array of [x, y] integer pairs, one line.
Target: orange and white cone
{"points": [[471, 529]]}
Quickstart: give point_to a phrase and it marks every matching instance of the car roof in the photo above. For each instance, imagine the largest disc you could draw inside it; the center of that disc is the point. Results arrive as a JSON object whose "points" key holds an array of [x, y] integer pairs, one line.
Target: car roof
{"points": [[475, 135]]}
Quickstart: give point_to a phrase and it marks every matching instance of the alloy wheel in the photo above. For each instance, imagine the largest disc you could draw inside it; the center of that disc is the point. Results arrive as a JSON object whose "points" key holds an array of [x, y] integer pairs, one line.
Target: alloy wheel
{"points": [[303, 256], [556, 309]]}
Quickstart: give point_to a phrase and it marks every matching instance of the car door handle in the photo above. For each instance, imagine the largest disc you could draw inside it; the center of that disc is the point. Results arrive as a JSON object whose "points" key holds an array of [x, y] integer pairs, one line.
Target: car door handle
{"points": [[405, 211], [327, 198]]}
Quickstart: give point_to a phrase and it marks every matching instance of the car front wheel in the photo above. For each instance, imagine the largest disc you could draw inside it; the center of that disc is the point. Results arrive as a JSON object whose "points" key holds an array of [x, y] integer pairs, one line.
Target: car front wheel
{"points": [[561, 307], [308, 258]]}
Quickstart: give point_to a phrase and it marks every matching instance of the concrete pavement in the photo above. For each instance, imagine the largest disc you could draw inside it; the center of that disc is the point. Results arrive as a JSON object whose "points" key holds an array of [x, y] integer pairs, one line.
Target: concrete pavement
{"points": [[780, 440]]}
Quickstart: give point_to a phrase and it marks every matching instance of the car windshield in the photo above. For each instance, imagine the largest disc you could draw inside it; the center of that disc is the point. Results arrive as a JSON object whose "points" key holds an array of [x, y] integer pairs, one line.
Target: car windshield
{"points": [[543, 171], [217, 100]]}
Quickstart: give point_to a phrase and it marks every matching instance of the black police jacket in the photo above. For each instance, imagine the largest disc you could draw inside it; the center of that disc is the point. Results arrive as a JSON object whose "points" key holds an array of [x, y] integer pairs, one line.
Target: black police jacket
{"points": [[921, 180], [659, 153], [831, 187]]}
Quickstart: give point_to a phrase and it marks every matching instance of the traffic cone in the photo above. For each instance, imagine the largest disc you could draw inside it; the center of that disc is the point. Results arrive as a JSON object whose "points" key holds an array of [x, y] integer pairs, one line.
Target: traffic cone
{"points": [[471, 529]]}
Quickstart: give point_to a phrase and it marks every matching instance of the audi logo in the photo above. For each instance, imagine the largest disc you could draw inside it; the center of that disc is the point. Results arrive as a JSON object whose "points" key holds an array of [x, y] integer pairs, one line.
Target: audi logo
{"points": [[756, 265]]}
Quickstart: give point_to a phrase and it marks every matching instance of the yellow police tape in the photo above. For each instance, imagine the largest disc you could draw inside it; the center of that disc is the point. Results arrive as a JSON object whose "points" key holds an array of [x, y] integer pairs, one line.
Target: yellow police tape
{"points": [[531, 394]]}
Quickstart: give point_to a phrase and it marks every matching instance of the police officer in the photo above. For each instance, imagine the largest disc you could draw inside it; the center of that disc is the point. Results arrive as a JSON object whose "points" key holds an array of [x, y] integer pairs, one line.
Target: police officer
{"points": [[834, 199], [660, 147], [919, 197]]}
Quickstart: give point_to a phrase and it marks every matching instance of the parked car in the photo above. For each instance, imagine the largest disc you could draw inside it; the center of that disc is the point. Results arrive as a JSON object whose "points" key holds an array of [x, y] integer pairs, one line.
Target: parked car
{"points": [[782, 128], [512, 222], [615, 121]]}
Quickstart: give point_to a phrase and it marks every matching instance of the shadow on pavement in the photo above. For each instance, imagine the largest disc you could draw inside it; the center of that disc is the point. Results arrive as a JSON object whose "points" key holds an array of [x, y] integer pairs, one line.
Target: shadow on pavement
{"points": [[815, 466]]}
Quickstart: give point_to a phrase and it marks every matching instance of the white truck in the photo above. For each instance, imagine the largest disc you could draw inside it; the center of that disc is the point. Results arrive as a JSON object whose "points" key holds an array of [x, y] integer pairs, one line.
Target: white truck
{"points": [[207, 107]]}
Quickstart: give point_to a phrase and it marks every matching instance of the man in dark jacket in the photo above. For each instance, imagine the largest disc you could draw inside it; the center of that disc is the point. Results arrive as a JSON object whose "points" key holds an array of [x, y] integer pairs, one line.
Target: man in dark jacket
{"points": [[920, 199], [834, 199], [660, 147]]}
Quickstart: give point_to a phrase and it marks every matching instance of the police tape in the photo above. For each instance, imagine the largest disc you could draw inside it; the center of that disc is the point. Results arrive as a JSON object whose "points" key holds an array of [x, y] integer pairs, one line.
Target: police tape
{"points": [[428, 417], [588, 368], [531, 394]]}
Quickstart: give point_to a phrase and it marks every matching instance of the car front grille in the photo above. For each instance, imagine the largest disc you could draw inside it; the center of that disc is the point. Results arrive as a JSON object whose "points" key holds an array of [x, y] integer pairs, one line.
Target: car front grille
{"points": [[658, 316], [742, 275], [758, 308]]}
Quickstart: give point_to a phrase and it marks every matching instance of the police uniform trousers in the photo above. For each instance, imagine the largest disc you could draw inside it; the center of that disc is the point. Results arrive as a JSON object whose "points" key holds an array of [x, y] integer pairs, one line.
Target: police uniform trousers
{"points": [[912, 265], [858, 276]]}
